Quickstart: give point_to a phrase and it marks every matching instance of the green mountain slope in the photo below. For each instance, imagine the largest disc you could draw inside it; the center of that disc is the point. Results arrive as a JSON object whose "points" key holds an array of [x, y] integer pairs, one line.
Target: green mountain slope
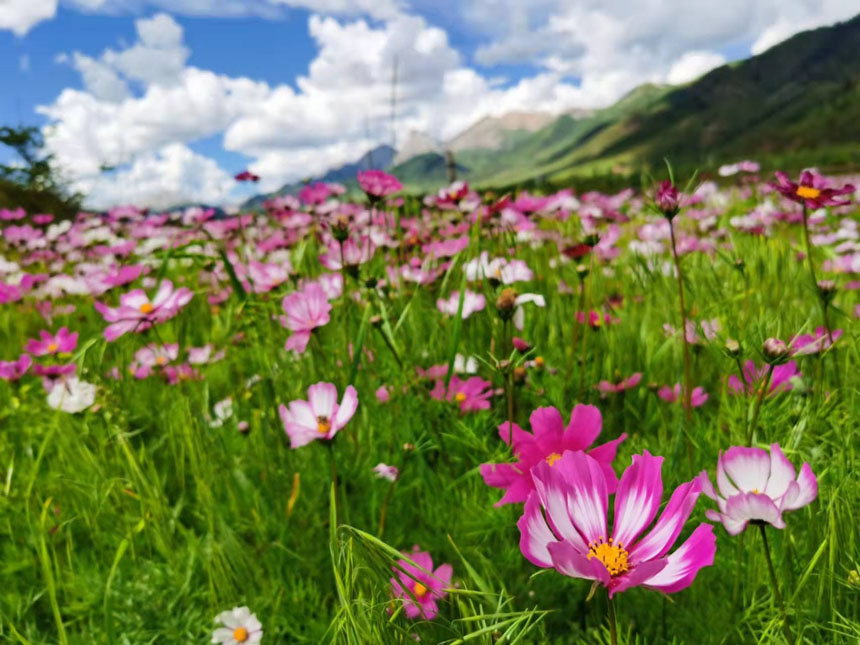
{"points": [[795, 104]]}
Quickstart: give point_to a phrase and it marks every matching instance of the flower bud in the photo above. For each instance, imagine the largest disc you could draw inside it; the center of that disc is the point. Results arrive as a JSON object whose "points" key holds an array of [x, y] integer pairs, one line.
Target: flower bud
{"points": [[667, 199], [775, 351], [506, 303], [733, 347], [826, 290]]}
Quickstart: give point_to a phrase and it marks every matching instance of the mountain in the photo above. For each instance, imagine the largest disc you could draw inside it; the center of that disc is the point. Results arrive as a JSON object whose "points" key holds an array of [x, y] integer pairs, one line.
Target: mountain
{"points": [[416, 143], [380, 157], [794, 105], [490, 132]]}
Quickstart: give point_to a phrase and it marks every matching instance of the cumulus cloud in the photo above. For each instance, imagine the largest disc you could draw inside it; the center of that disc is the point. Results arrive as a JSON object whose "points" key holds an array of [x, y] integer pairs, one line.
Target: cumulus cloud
{"points": [[19, 16], [168, 177], [692, 65], [142, 105], [614, 46]]}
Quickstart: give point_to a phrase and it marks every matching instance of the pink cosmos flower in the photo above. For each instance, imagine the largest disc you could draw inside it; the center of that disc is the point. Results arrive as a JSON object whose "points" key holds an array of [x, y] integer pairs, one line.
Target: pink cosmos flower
{"points": [[377, 183], [673, 395], [595, 319], [62, 342], [383, 471], [472, 303], [471, 395], [320, 417], [419, 586], [13, 370], [806, 344], [605, 387], [757, 487], [305, 311], [315, 193], [812, 190], [174, 374], [355, 253], [780, 380], [574, 537], [136, 312], [547, 442], [157, 355], [382, 394]]}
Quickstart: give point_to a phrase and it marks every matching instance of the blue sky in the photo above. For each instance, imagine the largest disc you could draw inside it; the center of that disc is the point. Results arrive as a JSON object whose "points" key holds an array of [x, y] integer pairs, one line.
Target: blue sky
{"points": [[179, 95]]}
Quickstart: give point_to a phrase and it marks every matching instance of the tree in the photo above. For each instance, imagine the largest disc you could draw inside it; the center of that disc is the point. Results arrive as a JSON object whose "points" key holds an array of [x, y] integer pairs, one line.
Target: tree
{"points": [[30, 181]]}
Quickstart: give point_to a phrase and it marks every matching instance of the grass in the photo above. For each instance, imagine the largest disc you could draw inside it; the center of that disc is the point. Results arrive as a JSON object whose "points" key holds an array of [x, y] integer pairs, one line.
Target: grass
{"points": [[136, 521]]}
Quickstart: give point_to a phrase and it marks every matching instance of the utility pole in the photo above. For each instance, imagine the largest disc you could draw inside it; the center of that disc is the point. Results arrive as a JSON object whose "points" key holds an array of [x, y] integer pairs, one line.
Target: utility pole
{"points": [[394, 105], [451, 165]]}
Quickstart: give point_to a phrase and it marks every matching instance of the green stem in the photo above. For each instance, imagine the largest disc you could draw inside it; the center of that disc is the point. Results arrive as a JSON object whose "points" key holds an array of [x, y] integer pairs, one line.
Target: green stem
{"points": [[759, 398], [688, 390], [786, 627], [613, 629]]}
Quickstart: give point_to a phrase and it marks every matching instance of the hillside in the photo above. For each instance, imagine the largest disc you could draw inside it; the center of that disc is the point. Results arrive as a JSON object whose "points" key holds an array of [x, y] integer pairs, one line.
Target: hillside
{"points": [[794, 104]]}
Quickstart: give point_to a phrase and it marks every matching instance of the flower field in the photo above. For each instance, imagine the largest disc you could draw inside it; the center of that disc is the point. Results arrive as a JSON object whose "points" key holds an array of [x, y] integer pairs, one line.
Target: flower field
{"points": [[371, 417]]}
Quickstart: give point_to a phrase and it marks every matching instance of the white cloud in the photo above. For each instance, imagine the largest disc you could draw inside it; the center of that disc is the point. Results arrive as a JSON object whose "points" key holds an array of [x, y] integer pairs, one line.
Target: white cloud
{"points": [[380, 9], [173, 175], [140, 100], [19, 16], [614, 46], [692, 65], [100, 79]]}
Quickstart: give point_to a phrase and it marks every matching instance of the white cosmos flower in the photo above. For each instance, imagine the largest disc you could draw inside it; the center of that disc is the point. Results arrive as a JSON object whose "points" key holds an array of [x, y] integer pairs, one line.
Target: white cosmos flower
{"points": [[239, 627], [519, 315], [72, 395], [463, 365]]}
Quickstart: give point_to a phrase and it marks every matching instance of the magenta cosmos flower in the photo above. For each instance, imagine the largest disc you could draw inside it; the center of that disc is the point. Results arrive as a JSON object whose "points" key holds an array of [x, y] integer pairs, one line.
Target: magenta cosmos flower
{"points": [[757, 487], [806, 344], [305, 311], [673, 395], [13, 370], [780, 379], [605, 387], [61, 342], [471, 395], [377, 183], [812, 190], [547, 442], [574, 538], [137, 311], [419, 586], [320, 417]]}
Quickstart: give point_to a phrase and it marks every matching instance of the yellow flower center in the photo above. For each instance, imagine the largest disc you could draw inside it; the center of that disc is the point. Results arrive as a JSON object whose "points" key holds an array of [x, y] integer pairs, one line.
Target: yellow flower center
{"points": [[539, 361], [146, 308], [808, 192], [613, 556], [419, 590], [160, 360], [755, 491], [323, 425], [553, 457], [240, 634], [53, 347], [459, 397]]}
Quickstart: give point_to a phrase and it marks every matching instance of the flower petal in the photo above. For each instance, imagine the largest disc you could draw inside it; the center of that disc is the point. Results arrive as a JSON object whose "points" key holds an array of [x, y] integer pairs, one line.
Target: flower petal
{"points": [[683, 565], [661, 538], [535, 535], [637, 498]]}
